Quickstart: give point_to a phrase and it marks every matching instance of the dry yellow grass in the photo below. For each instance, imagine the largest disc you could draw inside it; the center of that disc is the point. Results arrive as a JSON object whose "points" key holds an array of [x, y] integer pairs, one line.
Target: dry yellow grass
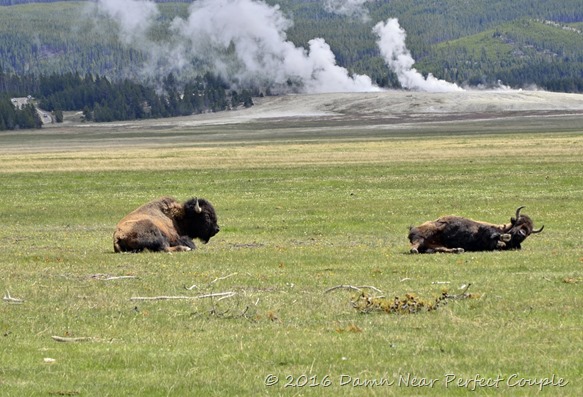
{"points": [[566, 146]]}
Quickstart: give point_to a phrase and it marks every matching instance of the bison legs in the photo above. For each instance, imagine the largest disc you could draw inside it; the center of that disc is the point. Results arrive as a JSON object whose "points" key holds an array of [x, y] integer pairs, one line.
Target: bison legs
{"points": [[444, 250], [177, 248], [416, 248], [184, 243], [150, 239], [420, 245], [145, 235]]}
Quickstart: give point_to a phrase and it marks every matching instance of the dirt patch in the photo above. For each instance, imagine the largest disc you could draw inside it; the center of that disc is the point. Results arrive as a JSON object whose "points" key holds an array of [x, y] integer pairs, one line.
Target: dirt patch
{"points": [[382, 105], [316, 117]]}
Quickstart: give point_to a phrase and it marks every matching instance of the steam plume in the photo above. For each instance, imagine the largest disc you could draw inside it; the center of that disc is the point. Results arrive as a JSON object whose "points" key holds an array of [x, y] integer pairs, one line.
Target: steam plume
{"points": [[244, 41], [391, 43], [134, 17]]}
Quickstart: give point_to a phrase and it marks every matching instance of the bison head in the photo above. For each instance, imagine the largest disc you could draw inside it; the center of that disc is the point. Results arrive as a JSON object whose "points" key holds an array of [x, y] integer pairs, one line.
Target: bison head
{"points": [[199, 220], [521, 226]]}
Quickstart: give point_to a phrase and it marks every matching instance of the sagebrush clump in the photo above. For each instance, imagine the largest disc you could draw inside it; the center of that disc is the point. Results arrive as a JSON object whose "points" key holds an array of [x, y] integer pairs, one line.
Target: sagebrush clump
{"points": [[363, 302]]}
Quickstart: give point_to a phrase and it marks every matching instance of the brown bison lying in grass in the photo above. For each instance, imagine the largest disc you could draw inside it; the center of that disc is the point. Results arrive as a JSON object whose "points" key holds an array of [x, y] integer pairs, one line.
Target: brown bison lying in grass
{"points": [[166, 225], [455, 234]]}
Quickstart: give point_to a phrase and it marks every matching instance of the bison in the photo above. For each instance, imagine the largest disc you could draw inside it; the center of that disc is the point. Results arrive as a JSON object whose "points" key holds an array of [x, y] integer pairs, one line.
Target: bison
{"points": [[455, 234], [166, 225]]}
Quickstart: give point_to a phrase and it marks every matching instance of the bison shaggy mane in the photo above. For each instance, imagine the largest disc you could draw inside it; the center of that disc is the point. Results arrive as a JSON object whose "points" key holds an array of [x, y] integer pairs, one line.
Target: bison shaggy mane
{"points": [[166, 225]]}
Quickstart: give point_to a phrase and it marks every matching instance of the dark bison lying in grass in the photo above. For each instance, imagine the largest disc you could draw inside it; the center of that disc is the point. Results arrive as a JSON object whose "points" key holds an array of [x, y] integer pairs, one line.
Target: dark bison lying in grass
{"points": [[456, 234], [166, 225]]}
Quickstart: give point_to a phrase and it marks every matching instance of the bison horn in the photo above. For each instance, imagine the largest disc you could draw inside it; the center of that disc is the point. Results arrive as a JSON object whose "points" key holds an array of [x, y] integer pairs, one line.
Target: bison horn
{"points": [[538, 230], [518, 211], [197, 208]]}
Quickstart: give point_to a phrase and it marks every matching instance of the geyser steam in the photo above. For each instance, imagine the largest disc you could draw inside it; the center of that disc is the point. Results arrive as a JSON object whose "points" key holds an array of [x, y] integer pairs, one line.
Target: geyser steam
{"points": [[398, 58], [244, 41]]}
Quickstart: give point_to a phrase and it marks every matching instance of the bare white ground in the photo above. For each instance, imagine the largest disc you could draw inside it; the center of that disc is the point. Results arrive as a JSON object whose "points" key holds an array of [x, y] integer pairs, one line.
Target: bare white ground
{"points": [[394, 103]]}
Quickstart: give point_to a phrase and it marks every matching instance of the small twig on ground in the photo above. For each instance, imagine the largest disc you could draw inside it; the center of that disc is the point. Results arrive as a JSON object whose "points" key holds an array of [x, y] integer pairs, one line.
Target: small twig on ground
{"points": [[463, 295], [211, 283], [66, 339], [352, 287], [222, 295], [9, 299], [226, 296], [440, 282], [222, 278], [159, 298], [107, 277]]}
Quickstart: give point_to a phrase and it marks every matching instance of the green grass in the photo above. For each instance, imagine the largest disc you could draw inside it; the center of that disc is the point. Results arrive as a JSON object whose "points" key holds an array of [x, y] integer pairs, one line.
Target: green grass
{"points": [[296, 219]]}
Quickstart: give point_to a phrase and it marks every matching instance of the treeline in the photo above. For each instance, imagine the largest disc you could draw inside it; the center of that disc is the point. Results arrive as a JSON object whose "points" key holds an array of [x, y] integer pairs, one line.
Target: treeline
{"points": [[452, 39], [13, 117], [16, 2], [103, 100]]}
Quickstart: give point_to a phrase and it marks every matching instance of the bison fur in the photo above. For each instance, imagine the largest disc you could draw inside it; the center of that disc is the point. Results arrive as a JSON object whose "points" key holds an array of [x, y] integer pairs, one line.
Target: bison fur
{"points": [[166, 225], [455, 234]]}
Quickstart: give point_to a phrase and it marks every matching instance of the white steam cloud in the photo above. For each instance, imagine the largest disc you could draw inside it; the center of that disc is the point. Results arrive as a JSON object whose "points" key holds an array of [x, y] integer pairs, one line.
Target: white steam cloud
{"points": [[247, 39], [244, 41], [391, 43], [134, 17]]}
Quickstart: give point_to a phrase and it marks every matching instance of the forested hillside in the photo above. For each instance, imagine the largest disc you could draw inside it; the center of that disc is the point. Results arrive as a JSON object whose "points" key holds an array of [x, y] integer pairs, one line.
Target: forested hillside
{"points": [[102, 100], [547, 53], [519, 42], [16, 2]]}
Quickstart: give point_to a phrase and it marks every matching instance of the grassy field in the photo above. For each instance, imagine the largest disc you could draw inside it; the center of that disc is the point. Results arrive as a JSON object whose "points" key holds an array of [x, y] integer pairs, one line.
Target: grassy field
{"points": [[297, 217]]}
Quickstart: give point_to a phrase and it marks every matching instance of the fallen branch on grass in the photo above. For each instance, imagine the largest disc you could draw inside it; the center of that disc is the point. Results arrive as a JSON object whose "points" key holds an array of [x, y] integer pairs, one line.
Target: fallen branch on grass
{"points": [[119, 278], [352, 287], [66, 339], [9, 299], [233, 309], [221, 295], [107, 277]]}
